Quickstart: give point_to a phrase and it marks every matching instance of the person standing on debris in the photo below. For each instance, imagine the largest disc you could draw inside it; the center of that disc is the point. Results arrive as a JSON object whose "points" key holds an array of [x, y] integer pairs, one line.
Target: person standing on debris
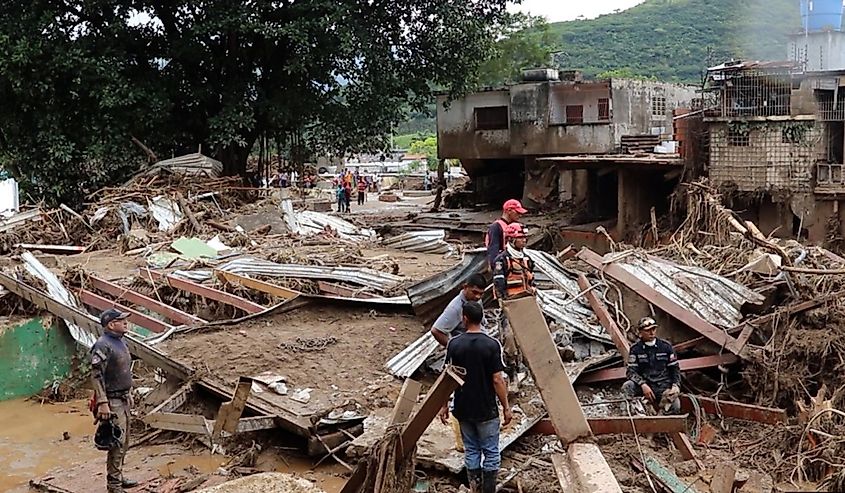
{"points": [[347, 195], [111, 375], [362, 190], [653, 370], [450, 323], [341, 197], [513, 270], [475, 402], [512, 210]]}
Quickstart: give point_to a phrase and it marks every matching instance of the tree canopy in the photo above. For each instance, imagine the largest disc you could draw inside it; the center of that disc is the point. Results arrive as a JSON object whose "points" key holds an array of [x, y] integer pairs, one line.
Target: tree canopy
{"points": [[79, 79]]}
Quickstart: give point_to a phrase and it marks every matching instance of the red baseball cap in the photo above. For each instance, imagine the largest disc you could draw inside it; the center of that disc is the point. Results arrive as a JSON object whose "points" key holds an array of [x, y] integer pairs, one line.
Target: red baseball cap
{"points": [[514, 205]]}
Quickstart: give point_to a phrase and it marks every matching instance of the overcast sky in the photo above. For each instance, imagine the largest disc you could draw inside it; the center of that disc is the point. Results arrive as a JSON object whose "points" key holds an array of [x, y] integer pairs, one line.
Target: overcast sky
{"points": [[566, 10]]}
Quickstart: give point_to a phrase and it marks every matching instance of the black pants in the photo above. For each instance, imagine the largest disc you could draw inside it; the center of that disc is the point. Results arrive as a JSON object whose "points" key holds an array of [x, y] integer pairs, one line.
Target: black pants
{"points": [[361, 198]]}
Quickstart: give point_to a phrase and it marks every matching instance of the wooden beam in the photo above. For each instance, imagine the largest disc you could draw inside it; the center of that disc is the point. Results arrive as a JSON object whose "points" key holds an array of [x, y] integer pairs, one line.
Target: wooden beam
{"points": [[175, 401], [437, 396], [622, 425], [406, 401], [204, 291], [619, 339], [230, 412], [562, 472], [723, 479], [682, 443], [610, 374], [738, 410], [539, 351], [258, 285], [136, 317], [651, 295], [185, 423], [121, 293]]}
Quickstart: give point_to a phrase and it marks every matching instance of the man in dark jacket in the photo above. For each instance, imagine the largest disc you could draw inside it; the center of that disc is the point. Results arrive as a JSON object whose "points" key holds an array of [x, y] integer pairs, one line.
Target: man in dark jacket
{"points": [[653, 369], [111, 376]]}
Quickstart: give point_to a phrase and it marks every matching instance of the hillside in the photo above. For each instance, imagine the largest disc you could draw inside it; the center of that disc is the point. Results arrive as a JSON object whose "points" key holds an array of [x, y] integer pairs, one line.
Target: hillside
{"points": [[675, 39]]}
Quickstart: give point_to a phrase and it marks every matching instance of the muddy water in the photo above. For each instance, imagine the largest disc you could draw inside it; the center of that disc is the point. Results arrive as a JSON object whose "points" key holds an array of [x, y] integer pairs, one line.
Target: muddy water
{"points": [[329, 476], [31, 440]]}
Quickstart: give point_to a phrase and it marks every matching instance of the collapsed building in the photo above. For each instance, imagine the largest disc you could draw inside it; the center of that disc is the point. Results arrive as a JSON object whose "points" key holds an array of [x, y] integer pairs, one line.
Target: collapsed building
{"points": [[556, 138]]}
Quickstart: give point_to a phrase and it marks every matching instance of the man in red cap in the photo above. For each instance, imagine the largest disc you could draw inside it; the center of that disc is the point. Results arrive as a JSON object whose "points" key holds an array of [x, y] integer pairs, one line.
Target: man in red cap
{"points": [[495, 240]]}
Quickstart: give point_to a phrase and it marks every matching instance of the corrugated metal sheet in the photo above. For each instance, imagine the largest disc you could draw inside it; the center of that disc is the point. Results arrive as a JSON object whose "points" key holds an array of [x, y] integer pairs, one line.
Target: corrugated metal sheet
{"points": [[433, 241], [251, 266], [433, 294], [57, 291], [573, 316], [712, 297], [192, 164], [312, 222]]}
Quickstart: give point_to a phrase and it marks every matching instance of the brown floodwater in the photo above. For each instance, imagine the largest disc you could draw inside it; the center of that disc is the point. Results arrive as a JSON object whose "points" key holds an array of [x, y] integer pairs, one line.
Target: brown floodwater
{"points": [[32, 444], [32, 440]]}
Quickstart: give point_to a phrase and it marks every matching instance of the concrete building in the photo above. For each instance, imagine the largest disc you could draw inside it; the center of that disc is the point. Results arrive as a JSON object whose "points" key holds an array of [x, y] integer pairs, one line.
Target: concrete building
{"points": [[777, 141], [553, 141], [820, 45]]}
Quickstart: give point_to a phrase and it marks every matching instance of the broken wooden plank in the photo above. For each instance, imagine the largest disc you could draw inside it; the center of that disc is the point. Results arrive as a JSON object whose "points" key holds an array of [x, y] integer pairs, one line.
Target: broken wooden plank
{"points": [[599, 308], [258, 285], [738, 410], [121, 293], [57, 249], [176, 400], [230, 412], [723, 479], [622, 425], [204, 291], [406, 401], [682, 443], [437, 396], [539, 351], [316, 447], [562, 472], [589, 469], [690, 364], [136, 317], [185, 423], [651, 295]]}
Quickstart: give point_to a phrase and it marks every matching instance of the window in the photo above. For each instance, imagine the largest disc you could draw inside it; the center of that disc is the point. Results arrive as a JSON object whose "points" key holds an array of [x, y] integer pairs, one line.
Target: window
{"points": [[491, 118], [604, 109], [658, 106], [574, 113], [738, 138]]}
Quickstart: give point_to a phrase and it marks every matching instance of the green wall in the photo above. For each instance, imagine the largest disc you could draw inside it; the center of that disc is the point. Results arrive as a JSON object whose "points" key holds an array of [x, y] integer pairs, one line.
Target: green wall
{"points": [[32, 356]]}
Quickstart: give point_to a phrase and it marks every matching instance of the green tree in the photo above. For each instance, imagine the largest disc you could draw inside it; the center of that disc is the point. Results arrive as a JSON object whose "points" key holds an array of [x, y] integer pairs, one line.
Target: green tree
{"points": [[428, 148], [80, 78], [523, 42]]}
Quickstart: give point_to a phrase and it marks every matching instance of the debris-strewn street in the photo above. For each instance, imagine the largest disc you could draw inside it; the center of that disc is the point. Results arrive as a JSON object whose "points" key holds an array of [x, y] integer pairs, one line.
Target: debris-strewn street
{"points": [[396, 247]]}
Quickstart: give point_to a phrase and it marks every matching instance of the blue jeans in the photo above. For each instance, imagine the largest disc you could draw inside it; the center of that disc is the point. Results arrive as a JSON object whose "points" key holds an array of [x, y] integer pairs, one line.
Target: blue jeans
{"points": [[481, 439]]}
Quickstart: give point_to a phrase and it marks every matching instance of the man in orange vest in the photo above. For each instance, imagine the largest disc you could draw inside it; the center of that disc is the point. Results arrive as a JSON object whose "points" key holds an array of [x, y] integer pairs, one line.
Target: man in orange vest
{"points": [[495, 240], [513, 270]]}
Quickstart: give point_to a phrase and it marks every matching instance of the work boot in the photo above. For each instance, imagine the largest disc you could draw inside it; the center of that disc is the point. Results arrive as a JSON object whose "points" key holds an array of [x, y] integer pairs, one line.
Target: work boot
{"points": [[128, 483], [474, 476], [489, 478]]}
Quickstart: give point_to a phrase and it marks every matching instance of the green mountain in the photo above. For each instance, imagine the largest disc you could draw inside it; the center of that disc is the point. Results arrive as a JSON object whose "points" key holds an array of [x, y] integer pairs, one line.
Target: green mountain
{"points": [[675, 39]]}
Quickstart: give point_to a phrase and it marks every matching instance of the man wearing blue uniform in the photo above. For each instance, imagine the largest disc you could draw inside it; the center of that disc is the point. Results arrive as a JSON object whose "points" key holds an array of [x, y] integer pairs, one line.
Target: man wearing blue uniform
{"points": [[111, 376], [653, 369]]}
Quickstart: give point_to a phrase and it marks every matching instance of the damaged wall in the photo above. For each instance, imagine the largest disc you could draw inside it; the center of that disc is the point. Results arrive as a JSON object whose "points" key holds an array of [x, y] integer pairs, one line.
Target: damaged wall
{"points": [[763, 156], [645, 107], [33, 354], [457, 135]]}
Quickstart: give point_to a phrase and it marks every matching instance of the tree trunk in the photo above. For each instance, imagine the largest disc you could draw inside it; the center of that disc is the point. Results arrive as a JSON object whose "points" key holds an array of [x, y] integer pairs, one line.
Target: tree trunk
{"points": [[441, 185], [234, 160]]}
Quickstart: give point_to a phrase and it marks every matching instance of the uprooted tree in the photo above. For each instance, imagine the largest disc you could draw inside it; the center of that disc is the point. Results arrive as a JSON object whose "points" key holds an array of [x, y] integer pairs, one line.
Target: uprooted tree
{"points": [[84, 82]]}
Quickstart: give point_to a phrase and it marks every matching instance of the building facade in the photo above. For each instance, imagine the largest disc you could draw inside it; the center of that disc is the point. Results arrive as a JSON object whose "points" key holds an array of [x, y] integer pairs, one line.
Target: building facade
{"points": [[551, 141]]}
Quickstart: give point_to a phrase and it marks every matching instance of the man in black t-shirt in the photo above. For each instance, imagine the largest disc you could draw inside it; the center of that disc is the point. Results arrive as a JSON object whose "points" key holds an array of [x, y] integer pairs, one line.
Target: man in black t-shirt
{"points": [[475, 402]]}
